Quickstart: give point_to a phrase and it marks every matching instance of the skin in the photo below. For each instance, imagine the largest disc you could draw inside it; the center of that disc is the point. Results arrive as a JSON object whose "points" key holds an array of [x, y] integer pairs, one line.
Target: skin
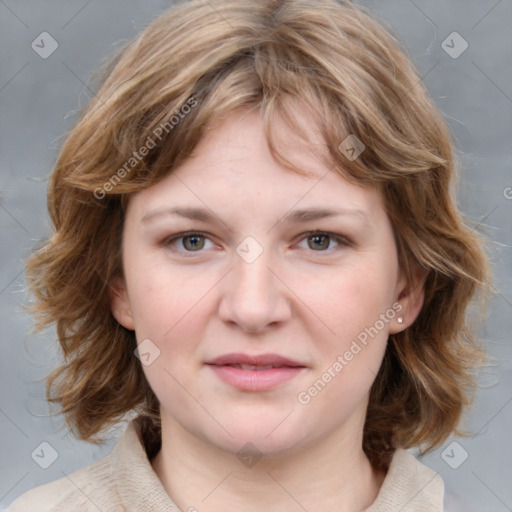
{"points": [[305, 298]]}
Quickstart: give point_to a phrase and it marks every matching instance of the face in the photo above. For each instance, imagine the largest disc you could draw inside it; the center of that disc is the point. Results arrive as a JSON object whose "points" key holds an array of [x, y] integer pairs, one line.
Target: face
{"points": [[263, 299]]}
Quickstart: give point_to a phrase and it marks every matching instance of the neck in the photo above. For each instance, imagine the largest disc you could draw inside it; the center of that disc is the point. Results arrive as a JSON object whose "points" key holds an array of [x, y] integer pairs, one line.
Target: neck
{"points": [[333, 475]]}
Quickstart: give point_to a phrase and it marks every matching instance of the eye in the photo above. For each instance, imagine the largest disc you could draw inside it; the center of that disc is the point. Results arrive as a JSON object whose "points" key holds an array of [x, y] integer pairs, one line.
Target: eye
{"points": [[320, 241], [189, 242], [194, 242]]}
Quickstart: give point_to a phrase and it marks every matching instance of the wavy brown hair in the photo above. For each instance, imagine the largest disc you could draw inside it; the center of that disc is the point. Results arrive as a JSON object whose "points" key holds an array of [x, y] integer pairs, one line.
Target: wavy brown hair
{"points": [[225, 56]]}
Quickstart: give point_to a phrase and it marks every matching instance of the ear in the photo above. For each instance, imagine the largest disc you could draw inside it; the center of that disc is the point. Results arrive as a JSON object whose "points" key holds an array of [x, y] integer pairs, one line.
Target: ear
{"points": [[119, 303], [410, 294]]}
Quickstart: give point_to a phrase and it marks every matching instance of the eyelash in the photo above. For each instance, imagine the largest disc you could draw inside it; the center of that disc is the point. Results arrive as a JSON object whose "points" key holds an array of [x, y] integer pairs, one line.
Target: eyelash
{"points": [[342, 241]]}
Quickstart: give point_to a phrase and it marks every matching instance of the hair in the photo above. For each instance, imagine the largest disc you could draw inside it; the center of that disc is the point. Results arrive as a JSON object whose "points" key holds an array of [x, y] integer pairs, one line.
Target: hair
{"points": [[196, 64]]}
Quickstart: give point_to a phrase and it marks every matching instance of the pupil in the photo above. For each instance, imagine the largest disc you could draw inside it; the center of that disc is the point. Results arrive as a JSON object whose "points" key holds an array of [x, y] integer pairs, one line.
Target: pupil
{"points": [[194, 242], [317, 239]]}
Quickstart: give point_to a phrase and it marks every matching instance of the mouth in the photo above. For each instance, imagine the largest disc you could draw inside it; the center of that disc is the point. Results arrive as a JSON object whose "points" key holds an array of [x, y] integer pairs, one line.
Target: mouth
{"points": [[253, 367], [255, 373], [264, 361]]}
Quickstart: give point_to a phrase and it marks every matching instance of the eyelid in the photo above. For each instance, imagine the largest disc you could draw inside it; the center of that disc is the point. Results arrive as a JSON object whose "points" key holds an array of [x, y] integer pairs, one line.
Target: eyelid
{"points": [[341, 240], [167, 242]]}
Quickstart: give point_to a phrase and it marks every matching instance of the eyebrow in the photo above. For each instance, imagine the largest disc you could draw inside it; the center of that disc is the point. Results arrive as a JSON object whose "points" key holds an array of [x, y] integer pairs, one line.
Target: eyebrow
{"points": [[296, 216]]}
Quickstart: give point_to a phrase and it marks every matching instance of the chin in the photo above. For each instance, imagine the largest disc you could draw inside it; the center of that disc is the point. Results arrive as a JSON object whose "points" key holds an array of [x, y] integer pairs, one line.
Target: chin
{"points": [[269, 435], [271, 448]]}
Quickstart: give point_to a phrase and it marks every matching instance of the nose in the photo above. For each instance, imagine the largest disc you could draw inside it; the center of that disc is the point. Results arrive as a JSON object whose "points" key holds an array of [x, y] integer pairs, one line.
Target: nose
{"points": [[254, 298]]}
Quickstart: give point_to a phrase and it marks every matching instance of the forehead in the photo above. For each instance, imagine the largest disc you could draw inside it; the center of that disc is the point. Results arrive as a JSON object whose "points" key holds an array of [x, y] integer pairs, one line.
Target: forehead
{"points": [[232, 167]]}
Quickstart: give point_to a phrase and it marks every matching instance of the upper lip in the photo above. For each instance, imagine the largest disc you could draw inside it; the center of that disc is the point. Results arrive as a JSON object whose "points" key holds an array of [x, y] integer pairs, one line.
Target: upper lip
{"points": [[256, 360]]}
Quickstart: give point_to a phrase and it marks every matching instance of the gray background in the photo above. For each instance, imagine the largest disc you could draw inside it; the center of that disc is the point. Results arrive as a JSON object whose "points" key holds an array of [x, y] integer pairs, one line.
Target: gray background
{"points": [[39, 101]]}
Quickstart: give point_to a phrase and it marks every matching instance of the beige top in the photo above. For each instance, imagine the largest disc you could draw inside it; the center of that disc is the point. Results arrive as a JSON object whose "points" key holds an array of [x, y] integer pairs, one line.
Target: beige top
{"points": [[125, 481]]}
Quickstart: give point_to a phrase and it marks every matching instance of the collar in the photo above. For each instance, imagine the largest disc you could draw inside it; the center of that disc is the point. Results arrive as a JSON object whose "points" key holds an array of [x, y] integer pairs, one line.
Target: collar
{"points": [[137, 484], [409, 485]]}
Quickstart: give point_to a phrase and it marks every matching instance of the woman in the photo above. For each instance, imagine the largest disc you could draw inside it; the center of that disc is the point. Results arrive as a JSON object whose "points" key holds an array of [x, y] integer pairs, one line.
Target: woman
{"points": [[257, 256]]}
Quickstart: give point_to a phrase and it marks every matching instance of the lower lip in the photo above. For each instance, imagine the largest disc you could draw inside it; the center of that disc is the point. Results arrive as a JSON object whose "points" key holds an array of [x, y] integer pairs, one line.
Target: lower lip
{"points": [[256, 380]]}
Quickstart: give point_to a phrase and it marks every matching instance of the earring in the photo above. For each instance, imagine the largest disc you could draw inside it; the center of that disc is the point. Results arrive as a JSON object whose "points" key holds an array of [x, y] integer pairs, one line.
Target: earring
{"points": [[400, 319]]}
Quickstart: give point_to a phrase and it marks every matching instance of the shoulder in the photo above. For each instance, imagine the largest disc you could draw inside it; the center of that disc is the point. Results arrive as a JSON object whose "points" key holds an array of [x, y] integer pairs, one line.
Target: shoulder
{"points": [[409, 486], [92, 488], [82, 490], [122, 481]]}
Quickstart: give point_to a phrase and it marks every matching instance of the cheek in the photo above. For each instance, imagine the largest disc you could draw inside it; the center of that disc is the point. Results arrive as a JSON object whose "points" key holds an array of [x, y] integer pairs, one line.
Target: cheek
{"points": [[162, 300], [172, 309], [173, 323], [349, 360], [349, 301], [352, 336], [169, 312]]}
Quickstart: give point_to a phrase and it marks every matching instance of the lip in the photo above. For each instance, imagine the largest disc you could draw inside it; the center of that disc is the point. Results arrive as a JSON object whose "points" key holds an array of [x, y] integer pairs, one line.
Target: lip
{"points": [[255, 360], [283, 369]]}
